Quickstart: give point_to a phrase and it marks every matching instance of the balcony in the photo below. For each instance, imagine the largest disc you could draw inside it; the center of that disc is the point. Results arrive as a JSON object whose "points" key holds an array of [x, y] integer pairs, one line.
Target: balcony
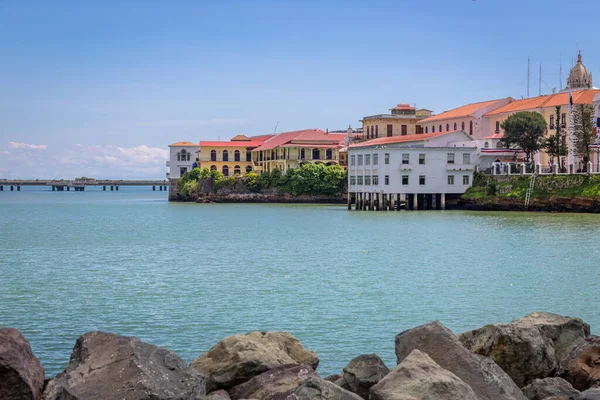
{"points": [[460, 167]]}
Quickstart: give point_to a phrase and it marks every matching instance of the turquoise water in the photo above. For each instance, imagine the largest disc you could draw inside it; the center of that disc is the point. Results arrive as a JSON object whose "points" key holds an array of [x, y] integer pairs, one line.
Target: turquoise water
{"points": [[183, 276]]}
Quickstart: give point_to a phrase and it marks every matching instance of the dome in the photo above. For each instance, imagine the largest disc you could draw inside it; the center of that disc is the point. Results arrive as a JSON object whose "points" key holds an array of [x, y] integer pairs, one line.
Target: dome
{"points": [[579, 77]]}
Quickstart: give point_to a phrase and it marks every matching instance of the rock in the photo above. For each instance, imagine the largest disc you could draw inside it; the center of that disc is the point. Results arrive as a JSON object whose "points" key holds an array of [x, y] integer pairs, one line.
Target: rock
{"points": [[418, 377], [238, 358], [333, 378], [582, 366], [590, 394], [363, 372], [320, 389], [528, 348], [108, 366], [484, 376], [541, 389], [21, 374], [218, 395], [277, 381]]}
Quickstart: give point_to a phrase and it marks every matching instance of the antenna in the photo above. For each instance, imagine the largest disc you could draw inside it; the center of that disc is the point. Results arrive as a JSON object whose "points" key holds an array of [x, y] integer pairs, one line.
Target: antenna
{"points": [[540, 83], [560, 74], [528, 73], [276, 125]]}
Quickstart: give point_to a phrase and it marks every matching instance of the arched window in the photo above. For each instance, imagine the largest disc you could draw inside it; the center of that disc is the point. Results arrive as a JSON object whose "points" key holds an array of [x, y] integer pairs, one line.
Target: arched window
{"points": [[237, 170], [272, 154], [433, 129], [486, 145], [470, 127], [440, 127], [462, 125], [368, 132], [225, 155], [376, 131], [455, 126], [236, 155], [329, 154], [426, 129], [499, 145], [302, 154], [248, 168], [316, 154], [225, 170], [213, 155], [447, 127], [213, 167]]}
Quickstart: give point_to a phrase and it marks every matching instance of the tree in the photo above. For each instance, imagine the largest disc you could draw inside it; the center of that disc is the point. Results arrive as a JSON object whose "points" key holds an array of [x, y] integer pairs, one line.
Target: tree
{"points": [[553, 144], [583, 130], [525, 130]]}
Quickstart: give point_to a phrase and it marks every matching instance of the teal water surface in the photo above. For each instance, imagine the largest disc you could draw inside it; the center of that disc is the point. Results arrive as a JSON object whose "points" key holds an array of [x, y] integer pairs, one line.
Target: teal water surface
{"points": [[183, 276]]}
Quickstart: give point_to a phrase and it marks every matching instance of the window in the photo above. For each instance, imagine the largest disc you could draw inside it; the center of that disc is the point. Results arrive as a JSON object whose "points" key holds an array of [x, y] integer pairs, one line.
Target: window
{"points": [[213, 167], [367, 159], [248, 168], [182, 170], [225, 156], [302, 154], [421, 158], [328, 154], [497, 126], [466, 158], [368, 180], [237, 170], [441, 128], [450, 158], [360, 179], [375, 179], [405, 158], [389, 130], [486, 145], [433, 129], [178, 156], [375, 159], [387, 179], [552, 122], [405, 179], [462, 125], [499, 145], [563, 120], [213, 155], [450, 179], [352, 180], [236, 155], [564, 140], [360, 159], [183, 155], [386, 158], [470, 127], [421, 180], [248, 156], [404, 130], [225, 170], [368, 132], [353, 160], [316, 154], [272, 155], [426, 129], [447, 127], [466, 179], [455, 126], [376, 131]]}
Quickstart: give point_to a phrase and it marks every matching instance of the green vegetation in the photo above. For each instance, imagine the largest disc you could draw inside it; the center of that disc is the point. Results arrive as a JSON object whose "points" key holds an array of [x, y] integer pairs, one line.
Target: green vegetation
{"points": [[583, 130], [525, 130], [553, 143], [309, 179], [485, 187]]}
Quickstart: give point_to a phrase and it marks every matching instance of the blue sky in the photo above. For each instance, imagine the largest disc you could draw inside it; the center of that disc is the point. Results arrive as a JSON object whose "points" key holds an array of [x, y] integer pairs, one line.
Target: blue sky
{"points": [[102, 87]]}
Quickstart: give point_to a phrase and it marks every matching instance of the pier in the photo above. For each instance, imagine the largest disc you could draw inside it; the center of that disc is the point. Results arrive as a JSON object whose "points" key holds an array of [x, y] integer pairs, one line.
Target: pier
{"points": [[79, 185]]}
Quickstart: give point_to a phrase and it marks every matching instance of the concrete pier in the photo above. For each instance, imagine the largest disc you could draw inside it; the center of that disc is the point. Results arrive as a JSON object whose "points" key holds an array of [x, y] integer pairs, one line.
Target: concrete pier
{"points": [[374, 201]]}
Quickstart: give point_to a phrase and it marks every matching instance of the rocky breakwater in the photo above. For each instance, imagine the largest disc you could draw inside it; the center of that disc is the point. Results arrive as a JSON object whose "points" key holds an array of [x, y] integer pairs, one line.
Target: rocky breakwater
{"points": [[542, 356]]}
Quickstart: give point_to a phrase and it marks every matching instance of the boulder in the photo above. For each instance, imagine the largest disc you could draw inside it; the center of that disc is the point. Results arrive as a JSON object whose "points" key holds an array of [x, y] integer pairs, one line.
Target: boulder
{"points": [[418, 377], [528, 348], [320, 389], [541, 389], [273, 384], [108, 366], [590, 394], [333, 378], [582, 366], [21, 374], [363, 372], [218, 395], [238, 358], [484, 376]]}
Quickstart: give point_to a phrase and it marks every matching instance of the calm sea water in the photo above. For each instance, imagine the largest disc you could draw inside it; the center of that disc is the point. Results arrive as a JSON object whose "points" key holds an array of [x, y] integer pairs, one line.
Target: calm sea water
{"points": [[183, 276]]}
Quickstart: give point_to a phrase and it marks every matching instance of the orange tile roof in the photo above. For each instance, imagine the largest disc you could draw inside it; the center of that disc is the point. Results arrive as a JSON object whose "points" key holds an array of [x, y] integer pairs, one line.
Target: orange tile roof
{"points": [[315, 137], [459, 112], [244, 144], [178, 144], [403, 106], [400, 139], [239, 138], [550, 100]]}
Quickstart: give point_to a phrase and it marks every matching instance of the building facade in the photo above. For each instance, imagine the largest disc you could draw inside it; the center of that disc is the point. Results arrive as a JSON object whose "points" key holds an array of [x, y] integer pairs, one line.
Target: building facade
{"points": [[230, 158], [419, 171], [183, 156], [403, 120]]}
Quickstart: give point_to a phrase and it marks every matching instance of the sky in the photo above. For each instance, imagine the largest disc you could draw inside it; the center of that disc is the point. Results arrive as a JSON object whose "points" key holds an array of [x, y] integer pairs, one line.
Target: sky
{"points": [[101, 88]]}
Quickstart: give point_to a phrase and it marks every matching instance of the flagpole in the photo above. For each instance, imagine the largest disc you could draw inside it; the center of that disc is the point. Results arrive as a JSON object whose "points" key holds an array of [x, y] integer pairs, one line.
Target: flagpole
{"points": [[571, 150]]}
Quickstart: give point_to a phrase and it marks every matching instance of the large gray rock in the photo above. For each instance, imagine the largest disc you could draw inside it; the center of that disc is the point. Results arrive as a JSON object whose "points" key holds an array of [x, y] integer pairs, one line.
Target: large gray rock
{"points": [[108, 366], [276, 383], [484, 376], [582, 366], [418, 377], [590, 394], [363, 372], [528, 348], [320, 389], [218, 395], [21, 374], [238, 358], [541, 389]]}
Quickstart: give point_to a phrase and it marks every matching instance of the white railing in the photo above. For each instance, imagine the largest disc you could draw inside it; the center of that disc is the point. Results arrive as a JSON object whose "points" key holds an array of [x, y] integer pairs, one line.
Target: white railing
{"points": [[519, 169]]}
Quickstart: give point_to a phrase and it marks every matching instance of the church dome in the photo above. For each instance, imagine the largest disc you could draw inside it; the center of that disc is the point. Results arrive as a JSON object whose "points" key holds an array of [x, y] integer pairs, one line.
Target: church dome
{"points": [[579, 77]]}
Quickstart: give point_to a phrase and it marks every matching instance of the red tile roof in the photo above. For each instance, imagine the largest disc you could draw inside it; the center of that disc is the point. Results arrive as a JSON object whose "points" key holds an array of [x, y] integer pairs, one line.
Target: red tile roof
{"points": [[231, 144], [403, 106], [181, 144], [239, 138], [495, 136], [314, 137], [551, 100], [464, 111], [400, 139]]}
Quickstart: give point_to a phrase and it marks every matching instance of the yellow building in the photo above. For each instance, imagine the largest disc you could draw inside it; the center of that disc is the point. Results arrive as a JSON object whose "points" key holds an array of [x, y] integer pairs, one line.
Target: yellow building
{"points": [[230, 158], [404, 119]]}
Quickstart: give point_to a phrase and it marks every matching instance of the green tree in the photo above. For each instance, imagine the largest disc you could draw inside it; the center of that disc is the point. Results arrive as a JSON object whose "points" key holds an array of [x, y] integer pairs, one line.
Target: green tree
{"points": [[553, 143], [525, 130], [583, 130]]}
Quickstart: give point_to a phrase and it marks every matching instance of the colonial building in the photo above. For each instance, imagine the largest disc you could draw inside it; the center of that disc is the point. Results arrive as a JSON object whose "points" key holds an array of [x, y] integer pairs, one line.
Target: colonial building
{"points": [[419, 171], [403, 120], [230, 158], [183, 156]]}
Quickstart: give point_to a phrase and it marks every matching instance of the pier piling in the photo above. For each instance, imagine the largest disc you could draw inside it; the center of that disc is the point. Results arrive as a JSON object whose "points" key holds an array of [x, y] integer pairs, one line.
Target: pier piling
{"points": [[117, 188], [104, 188], [154, 188], [18, 188], [1, 188], [111, 188]]}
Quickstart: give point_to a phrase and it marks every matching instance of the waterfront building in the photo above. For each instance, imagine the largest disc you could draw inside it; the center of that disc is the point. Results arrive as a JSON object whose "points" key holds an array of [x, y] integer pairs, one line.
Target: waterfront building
{"points": [[403, 120], [183, 156], [421, 171], [232, 157], [292, 149]]}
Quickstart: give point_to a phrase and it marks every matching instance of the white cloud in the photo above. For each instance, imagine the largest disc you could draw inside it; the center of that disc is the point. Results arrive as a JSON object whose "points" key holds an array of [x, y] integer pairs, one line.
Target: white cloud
{"points": [[26, 146]]}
